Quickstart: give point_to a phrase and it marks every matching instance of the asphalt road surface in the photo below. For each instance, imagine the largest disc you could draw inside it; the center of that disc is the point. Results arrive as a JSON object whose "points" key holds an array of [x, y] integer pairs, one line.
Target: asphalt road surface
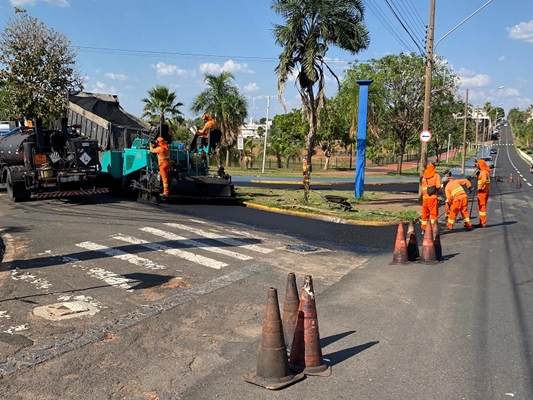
{"points": [[167, 302]]}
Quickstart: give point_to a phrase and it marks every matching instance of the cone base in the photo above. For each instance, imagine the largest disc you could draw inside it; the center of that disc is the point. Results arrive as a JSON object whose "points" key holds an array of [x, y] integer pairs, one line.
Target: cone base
{"points": [[400, 262], [273, 383], [321, 370]]}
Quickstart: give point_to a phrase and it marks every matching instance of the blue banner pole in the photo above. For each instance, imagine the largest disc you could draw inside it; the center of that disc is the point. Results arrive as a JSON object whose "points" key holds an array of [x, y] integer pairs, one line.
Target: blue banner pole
{"points": [[361, 137]]}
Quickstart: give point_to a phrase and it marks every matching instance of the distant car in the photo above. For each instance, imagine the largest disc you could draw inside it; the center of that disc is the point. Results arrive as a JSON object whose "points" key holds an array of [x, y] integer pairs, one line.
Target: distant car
{"points": [[488, 161], [493, 151]]}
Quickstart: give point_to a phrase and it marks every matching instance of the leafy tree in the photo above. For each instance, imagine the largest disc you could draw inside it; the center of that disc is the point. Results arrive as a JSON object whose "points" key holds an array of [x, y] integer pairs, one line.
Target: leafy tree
{"points": [[161, 105], [311, 27], [38, 68], [222, 99]]}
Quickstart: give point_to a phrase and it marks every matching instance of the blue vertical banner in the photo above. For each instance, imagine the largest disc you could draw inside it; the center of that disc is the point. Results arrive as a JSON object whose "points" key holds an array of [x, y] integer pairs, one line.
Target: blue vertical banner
{"points": [[361, 137]]}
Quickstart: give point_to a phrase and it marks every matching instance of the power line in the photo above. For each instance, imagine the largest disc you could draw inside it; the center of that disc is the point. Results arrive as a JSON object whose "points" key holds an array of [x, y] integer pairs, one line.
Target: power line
{"points": [[404, 27]]}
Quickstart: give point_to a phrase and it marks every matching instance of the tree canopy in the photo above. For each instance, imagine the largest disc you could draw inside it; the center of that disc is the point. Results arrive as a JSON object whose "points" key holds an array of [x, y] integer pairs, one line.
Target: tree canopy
{"points": [[38, 69]]}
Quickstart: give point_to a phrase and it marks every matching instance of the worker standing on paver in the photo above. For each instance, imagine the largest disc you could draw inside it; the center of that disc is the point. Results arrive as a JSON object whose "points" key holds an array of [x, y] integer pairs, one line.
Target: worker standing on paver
{"points": [[457, 198], [430, 203], [483, 190]]}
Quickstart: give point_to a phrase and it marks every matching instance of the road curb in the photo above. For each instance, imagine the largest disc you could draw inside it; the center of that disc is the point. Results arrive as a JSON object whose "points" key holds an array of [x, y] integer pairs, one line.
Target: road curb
{"points": [[319, 217], [324, 183]]}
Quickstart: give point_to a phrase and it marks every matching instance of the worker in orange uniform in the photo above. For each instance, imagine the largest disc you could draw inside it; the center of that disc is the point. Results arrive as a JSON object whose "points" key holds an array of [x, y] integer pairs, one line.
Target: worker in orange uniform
{"points": [[483, 189], [457, 199], [430, 203], [209, 124], [163, 160]]}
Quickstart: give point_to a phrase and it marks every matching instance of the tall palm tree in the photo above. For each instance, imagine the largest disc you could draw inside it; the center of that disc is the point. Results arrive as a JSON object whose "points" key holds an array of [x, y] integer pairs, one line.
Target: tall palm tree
{"points": [[312, 26], [221, 99], [161, 105]]}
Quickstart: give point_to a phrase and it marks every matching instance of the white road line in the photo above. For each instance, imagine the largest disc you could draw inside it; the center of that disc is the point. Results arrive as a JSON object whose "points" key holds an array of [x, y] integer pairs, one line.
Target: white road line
{"points": [[111, 278], [529, 184], [221, 238], [206, 262], [525, 180], [194, 243], [21, 275], [121, 255]]}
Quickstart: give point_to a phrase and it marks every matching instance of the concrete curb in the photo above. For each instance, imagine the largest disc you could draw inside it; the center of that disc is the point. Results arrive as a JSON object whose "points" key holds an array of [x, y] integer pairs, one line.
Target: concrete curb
{"points": [[325, 183], [319, 217]]}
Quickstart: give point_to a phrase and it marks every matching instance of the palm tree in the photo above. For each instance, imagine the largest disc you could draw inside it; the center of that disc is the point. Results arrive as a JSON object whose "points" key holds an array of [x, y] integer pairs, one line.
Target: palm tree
{"points": [[161, 105], [221, 99], [312, 26]]}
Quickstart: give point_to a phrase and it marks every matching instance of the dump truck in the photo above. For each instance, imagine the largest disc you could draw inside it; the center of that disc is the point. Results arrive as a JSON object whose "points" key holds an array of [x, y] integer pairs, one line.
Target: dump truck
{"points": [[126, 163]]}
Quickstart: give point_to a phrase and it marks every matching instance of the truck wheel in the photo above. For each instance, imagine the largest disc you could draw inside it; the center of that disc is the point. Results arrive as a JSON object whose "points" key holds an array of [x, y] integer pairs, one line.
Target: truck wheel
{"points": [[16, 191]]}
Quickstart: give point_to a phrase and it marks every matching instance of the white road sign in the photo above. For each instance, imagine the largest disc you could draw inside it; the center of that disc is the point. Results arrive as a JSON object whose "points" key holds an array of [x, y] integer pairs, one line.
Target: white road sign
{"points": [[425, 136]]}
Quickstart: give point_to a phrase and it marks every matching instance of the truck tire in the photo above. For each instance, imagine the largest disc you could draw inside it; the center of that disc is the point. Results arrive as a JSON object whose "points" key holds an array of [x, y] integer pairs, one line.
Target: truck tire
{"points": [[16, 191]]}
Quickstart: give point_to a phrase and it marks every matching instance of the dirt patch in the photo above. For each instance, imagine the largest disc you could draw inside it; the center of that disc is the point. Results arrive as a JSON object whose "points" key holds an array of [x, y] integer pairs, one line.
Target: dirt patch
{"points": [[394, 201]]}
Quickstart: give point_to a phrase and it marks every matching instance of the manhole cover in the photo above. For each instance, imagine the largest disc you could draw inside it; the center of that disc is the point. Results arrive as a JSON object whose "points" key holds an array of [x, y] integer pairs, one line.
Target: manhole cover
{"points": [[66, 310], [301, 247]]}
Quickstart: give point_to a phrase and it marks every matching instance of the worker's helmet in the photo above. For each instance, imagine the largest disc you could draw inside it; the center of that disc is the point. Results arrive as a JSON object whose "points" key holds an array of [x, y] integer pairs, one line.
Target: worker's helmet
{"points": [[448, 172], [160, 139]]}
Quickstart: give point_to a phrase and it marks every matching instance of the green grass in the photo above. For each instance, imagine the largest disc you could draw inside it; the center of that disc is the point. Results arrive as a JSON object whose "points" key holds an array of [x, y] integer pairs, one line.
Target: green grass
{"points": [[293, 200]]}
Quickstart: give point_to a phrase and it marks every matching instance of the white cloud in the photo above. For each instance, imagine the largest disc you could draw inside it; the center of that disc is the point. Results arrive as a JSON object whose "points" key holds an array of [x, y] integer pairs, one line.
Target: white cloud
{"points": [[100, 87], [522, 31], [118, 77], [502, 58], [522, 103], [229, 66], [251, 87], [471, 79], [163, 69], [59, 3], [510, 92]]}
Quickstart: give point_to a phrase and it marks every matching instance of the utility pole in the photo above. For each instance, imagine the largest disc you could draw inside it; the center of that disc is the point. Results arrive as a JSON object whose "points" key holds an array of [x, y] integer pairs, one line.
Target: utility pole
{"points": [[427, 95], [463, 157]]}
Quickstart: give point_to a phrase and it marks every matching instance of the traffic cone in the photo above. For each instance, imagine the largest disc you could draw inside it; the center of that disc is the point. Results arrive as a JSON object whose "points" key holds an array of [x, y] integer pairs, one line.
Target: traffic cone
{"points": [[289, 316], [427, 253], [306, 354], [412, 245], [518, 182], [436, 241], [511, 177], [273, 370], [401, 255]]}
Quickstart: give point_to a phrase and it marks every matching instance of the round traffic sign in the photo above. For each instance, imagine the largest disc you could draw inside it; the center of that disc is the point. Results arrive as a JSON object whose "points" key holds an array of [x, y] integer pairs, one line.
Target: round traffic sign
{"points": [[425, 136]]}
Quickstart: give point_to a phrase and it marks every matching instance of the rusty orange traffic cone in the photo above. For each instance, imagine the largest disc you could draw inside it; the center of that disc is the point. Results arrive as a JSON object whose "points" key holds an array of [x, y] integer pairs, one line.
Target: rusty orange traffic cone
{"points": [[306, 354], [436, 241], [289, 316], [412, 245], [273, 370], [401, 255], [427, 253], [511, 177]]}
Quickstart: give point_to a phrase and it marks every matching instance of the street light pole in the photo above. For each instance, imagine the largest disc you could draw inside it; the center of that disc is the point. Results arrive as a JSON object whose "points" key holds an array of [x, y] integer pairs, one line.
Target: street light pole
{"points": [[266, 127]]}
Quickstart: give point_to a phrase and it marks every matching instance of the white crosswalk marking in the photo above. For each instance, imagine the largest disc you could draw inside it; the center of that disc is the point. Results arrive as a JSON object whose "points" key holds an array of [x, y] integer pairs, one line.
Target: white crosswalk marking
{"points": [[121, 255], [220, 238], [112, 279], [206, 262], [194, 243]]}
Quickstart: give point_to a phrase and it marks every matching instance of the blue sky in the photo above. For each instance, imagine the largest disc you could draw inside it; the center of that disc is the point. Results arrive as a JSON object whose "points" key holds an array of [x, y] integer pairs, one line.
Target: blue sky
{"points": [[127, 47]]}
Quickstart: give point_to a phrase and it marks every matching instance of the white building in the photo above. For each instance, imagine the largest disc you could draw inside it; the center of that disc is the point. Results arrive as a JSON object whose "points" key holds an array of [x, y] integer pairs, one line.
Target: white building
{"points": [[250, 129]]}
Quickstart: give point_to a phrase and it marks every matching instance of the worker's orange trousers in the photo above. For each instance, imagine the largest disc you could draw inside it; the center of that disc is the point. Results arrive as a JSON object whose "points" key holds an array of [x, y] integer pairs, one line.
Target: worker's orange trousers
{"points": [[163, 169], [430, 210], [482, 198], [459, 206]]}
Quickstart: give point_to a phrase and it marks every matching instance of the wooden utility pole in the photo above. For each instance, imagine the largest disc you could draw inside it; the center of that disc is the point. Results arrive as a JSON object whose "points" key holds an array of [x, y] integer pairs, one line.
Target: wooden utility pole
{"points": [[427, 95], [463, 157]]}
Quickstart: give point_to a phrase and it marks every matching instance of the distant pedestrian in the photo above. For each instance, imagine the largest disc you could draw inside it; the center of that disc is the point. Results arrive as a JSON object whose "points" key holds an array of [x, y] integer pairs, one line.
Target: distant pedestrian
{"points": [[304, 172], [431, 184], [457, 198], [483, 190]]}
